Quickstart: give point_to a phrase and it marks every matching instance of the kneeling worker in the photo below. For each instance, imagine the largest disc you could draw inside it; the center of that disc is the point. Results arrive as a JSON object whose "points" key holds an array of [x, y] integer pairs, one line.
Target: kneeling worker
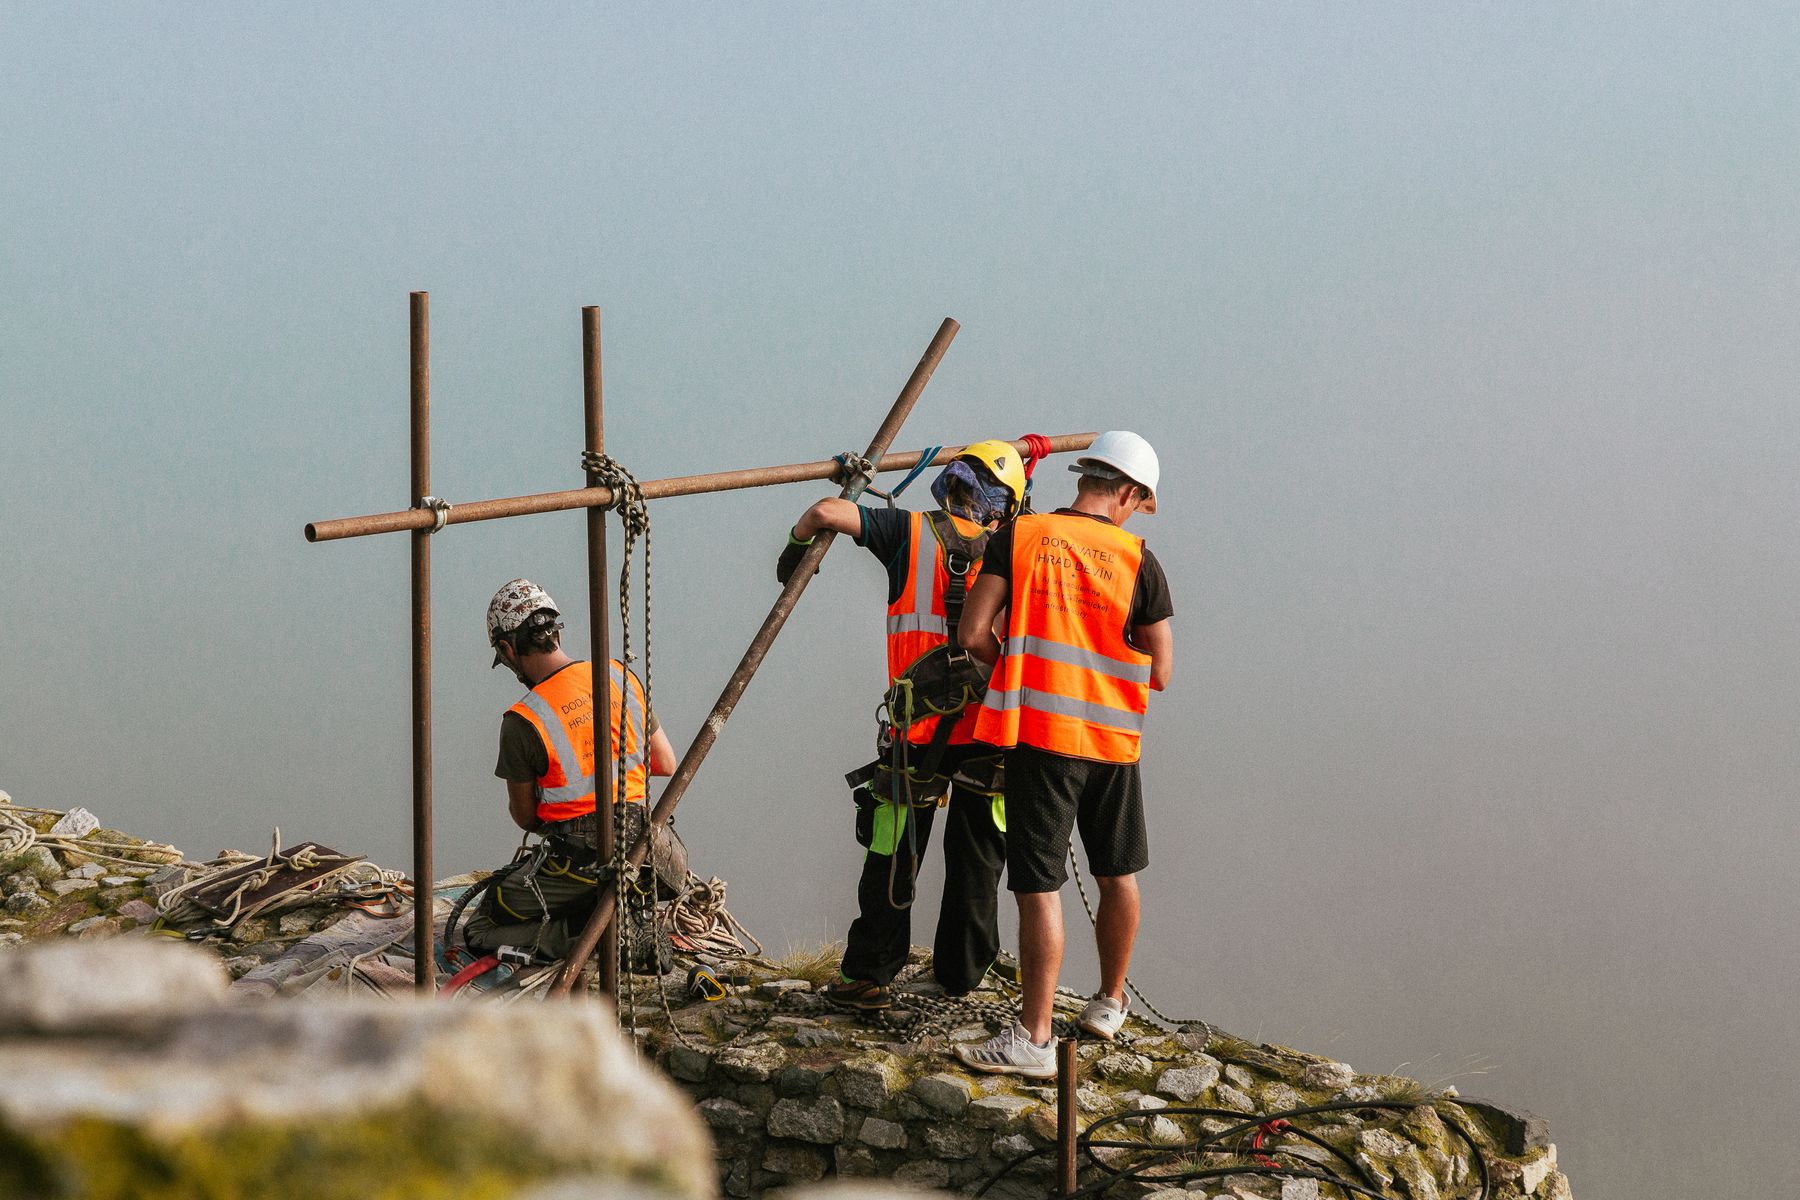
{"points": [[931, 559], [547, 761]]}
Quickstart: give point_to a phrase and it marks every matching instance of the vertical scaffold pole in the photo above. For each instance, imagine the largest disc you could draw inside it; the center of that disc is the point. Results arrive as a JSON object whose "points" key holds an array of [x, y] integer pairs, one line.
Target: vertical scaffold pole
{"points": [[423, 962], [1067, 1068], [600, 639]]}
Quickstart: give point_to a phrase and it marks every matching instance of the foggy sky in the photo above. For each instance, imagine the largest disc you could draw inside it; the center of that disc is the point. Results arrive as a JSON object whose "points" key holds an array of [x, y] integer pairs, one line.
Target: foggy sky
{"points": [[1466, 336]]}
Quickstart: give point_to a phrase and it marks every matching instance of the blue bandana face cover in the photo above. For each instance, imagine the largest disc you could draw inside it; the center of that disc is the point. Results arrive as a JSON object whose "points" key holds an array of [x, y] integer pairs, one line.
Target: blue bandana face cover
{"points": [[988, 498]]}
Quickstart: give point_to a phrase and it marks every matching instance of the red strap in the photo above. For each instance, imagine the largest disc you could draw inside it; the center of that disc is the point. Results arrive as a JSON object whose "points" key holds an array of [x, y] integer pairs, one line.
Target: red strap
{"points": [[1036, 446], [479, 967]]}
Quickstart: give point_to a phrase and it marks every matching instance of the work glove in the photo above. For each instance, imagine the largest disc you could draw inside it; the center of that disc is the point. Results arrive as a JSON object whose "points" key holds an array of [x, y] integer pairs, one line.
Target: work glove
{"points": [[790, 558]]}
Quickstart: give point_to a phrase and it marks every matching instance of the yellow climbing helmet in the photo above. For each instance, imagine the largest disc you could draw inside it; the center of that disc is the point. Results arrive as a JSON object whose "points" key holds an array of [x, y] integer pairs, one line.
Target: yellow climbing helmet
{"points": [[1004, 463]]}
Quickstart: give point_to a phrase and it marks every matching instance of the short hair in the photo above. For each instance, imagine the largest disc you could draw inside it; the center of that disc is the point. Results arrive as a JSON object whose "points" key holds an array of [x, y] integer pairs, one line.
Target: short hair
{"points": [[538, 633], [1106, 484]]}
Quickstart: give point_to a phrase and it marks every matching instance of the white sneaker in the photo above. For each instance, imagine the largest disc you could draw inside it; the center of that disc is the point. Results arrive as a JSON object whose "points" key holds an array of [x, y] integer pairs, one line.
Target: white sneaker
{"points": [[1011, 1053], [1103, 1016]]}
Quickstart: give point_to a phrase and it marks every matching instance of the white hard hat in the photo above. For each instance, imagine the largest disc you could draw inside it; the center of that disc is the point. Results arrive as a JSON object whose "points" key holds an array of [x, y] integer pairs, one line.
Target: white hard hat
{"points": [[1120, 452], [512, 606]]}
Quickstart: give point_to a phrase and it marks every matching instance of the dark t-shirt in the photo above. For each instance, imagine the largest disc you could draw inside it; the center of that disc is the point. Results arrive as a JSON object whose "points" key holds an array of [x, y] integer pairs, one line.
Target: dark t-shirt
{"points": [[1150, 600], [523, 758], [886, 533]]}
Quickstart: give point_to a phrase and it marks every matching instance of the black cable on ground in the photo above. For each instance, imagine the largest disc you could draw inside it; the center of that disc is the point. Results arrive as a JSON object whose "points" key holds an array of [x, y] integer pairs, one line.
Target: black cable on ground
{"points": [[1247, 1126]]}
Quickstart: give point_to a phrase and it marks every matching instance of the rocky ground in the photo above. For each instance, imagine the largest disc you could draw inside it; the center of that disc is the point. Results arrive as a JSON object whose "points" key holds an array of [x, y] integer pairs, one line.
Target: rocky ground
{"points": [[793, 1092]]}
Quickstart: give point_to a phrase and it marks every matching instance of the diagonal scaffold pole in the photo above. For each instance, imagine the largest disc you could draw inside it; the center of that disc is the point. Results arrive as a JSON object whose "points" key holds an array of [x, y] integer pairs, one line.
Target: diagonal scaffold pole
{"points": [[753, 657]]}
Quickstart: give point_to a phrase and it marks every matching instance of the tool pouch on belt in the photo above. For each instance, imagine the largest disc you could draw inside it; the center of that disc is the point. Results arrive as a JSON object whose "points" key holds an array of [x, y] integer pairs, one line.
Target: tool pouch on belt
{"points": [[579, 839]]}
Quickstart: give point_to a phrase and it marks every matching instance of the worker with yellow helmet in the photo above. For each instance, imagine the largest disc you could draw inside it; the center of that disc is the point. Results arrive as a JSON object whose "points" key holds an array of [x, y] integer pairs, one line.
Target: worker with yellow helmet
{"points": [[932, 557]]}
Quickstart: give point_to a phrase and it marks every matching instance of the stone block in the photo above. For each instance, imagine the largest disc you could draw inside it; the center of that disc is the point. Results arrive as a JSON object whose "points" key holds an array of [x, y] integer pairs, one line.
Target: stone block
{"points": [[1532, 1174], [88, 871], [112, 987], [854, 1161], [796, 1079], [76, 823], [68, 887], [1240, 1077], [1280, 1097], [868, 1083], [1520, 1131], [943, 1094], [728, 1116], [954, 1140], [820, 1120], [751, 1064], [137, 912], [92, 927], [1299, 1189], [775, 989], [1120, 1064], [795, 1163], [1186, 1083], [1230, 1097], [924, 1173], [883, 1135], [1327, 1076], [689, 1063], [22, 904], [1000, 1112]]}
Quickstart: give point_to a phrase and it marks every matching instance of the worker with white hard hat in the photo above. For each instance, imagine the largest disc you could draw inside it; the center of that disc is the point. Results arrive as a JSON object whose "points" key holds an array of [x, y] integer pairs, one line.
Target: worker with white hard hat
{"points": [[1085, 608]]}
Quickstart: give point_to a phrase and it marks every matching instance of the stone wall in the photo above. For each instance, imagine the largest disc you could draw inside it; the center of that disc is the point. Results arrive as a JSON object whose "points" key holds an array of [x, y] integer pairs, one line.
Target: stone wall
{"points": [[795, 1093]]}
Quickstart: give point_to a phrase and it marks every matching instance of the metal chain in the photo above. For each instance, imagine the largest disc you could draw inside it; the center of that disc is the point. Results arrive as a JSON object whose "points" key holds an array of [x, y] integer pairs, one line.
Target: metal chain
{"points": [[1165, 1018]]}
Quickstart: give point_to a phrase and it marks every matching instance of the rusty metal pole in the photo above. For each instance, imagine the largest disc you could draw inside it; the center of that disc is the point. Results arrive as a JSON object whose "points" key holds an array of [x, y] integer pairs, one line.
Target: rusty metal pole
{"points": [[759, 647], [600, 639], [424, 963], [1067, 1066], [652, 489]]}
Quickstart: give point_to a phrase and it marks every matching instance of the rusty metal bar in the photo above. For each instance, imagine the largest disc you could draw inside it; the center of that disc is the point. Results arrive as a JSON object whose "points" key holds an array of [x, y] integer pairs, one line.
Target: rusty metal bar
{"points": [[424, 964], [1067, 1067], [753, 657], [600, 640], [655, 489]]}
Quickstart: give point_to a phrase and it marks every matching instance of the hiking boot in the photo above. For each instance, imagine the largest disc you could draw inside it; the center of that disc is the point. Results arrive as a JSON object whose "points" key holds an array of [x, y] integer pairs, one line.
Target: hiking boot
{"points": [[864, 995], [1102, 1017], [1011, 1053]]}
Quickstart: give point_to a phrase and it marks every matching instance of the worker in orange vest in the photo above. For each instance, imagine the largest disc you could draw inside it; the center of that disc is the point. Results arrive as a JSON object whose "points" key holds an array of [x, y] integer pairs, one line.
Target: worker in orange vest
{"points": [[931, 557], [1086, 614], [547, 758]]}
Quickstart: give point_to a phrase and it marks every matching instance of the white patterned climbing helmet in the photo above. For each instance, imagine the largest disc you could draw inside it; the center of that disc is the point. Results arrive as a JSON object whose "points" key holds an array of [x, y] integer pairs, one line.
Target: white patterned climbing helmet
{"points": [[512, 606]]}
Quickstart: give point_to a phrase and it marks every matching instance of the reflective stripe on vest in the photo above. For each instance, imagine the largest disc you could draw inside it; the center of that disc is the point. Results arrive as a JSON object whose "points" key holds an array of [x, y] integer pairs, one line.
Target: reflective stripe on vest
{"points": [[566, 789], [916, 620], [1068, 681]]}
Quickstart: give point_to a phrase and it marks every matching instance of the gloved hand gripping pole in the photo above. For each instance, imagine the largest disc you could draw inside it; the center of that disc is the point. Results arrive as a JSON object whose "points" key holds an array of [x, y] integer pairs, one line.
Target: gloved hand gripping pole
{"points": [[759, 649]]}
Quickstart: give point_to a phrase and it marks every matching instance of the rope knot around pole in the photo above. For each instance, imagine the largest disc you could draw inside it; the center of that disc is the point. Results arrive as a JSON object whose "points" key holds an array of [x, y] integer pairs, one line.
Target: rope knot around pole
{"points": [[440, 511]]}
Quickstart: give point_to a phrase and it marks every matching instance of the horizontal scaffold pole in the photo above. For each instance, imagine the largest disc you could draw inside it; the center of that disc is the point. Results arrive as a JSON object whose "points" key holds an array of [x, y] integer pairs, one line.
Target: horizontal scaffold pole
{"points": [[655, 489]]}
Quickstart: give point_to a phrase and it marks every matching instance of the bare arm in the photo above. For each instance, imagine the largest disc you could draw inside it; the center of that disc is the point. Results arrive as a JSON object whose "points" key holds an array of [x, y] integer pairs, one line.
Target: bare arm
{"points": [[521, 803], [975, 632], [1158, 641], [662, 754], [830, 513]]}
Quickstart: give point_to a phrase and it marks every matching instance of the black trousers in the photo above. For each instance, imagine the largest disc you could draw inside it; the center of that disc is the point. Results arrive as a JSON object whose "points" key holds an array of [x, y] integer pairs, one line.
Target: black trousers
{"points": [[968, 927]]}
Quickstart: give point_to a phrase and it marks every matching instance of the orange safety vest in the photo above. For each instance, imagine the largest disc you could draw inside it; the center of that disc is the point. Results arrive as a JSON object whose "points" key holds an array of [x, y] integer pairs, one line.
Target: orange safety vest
{"points": [[1067, 680], [917, 621], [561, 710]]}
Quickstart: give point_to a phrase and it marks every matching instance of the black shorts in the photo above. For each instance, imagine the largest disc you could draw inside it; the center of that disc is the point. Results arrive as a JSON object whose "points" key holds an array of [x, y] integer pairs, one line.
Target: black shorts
{"points": [[1050, 795]]}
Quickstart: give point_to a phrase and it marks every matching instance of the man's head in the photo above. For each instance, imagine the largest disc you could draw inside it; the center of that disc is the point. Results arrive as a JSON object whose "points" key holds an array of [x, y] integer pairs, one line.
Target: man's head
{"points": [[522, 620], [985, 483], [1120, 464]]}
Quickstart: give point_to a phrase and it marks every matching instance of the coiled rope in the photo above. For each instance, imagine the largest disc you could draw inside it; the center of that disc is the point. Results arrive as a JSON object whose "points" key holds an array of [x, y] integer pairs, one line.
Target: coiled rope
{"points": [[18, 835]]}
